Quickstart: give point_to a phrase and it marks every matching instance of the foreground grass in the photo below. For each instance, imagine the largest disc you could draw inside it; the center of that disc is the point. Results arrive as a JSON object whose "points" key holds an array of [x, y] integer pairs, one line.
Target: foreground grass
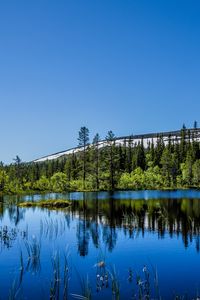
{"points": [[58, 203], [143, 285]]}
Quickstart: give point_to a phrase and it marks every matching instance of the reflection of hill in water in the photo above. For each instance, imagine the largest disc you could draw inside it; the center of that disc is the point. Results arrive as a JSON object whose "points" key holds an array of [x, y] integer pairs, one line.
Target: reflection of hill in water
{"points": [[102, 220]]}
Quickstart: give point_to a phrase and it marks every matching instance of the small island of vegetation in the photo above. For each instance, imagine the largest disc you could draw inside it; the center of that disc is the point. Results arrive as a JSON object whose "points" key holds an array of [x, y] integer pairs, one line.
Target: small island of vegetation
{"points": [[51, 204]]}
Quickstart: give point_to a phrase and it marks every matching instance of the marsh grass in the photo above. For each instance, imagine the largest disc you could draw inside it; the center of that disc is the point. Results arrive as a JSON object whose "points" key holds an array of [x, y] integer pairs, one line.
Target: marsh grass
{"points": [[16, 286], [21, 268], [52, 229], [85, 289], [145, 285], [56, 281], [33, 249], [102, 276], [14, 291], [115, 283], [66, 277], [59, 286]]}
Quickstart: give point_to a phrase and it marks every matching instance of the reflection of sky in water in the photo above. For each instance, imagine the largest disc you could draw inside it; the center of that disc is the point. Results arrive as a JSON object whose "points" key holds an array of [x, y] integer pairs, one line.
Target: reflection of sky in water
{"points": [[90, 235]]}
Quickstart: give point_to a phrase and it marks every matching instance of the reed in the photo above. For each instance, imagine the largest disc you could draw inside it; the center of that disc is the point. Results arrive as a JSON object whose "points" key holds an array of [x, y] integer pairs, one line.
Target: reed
{"points": [[115, 283], [55, 283], [52, 229], [33, 249], [59, 288], [145, 285], [85, 289], [14, 291], [66, 277], [16, 286]]}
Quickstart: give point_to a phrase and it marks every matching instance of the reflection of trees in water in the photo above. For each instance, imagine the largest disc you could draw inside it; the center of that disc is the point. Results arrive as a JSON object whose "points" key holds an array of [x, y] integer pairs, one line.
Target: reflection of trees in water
{"points": [[1, 210], [9, 205], [91, 225], [109, 237], [9, 234], [83, 237], [82, 234], [95, 233], [169, 216], [101, 220], [15, 213]]}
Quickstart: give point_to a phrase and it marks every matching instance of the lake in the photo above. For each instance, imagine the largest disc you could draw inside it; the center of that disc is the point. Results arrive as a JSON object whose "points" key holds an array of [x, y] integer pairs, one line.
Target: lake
{"points": [[132, 244]]}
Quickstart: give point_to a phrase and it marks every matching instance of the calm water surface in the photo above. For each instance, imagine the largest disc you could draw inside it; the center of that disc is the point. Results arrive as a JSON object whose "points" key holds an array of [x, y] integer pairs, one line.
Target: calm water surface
{"points": [[126, 230]]}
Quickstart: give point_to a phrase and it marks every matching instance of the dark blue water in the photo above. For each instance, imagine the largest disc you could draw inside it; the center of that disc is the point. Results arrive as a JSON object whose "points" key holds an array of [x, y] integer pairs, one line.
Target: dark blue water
{"points": [[124, 230]]}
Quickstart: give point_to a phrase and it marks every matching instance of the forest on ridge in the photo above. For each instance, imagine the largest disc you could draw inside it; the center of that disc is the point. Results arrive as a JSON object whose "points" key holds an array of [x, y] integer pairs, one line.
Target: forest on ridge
{"points": [[127, 166]]}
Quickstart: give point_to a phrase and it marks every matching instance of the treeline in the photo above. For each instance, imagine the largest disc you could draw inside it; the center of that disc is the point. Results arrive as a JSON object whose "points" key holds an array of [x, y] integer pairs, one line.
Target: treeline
{"points": [[160, 165]]}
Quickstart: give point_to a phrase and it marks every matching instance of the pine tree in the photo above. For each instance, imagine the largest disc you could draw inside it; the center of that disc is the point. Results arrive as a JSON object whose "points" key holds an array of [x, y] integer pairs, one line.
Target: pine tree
{"points": [[68, 168], [140, 156], [166, 162], [129, 155], [18, 168], [152, 151], [160, 146], [74, 167], [83, 140], [183, 144], [110, 138], [96, 141]]}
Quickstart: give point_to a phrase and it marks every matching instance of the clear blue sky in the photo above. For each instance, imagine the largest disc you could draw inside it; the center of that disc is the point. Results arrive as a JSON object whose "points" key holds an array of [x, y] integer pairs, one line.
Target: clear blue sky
{"points": [[125, 65]]}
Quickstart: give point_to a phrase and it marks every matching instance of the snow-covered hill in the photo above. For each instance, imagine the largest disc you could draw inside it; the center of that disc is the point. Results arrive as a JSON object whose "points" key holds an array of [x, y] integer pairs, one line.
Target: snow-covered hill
{"points": [[135, 139]]}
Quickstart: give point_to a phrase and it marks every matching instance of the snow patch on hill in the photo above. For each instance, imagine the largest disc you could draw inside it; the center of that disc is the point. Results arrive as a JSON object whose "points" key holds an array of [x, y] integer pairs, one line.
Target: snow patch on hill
{"points": [[135, 140]]}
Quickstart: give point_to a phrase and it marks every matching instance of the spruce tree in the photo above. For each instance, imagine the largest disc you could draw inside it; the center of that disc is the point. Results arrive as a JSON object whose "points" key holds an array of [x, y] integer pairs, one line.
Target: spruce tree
{"points": [[110, 139], [83, 140], [95, 162], [140, 156], [129, 155], [183, 144]]}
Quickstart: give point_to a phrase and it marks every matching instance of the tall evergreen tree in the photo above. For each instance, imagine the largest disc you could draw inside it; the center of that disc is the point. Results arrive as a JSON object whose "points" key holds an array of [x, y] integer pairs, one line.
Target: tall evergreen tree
{"points": [[96, 141], [183, 144], [129, 155], [68, 168], [18, 167], [160, 146], [166, 162], [152, 151], [140, 156], [83, 140], [110, 138], [75, 166]]}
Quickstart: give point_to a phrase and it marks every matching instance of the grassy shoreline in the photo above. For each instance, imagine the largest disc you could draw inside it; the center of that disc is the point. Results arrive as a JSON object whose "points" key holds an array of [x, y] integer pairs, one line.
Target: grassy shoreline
{"points": [[33, 192]]}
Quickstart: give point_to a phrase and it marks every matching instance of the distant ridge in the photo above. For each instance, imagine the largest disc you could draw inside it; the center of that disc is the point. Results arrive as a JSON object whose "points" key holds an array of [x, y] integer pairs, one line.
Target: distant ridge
{"points": [[135, 139]]}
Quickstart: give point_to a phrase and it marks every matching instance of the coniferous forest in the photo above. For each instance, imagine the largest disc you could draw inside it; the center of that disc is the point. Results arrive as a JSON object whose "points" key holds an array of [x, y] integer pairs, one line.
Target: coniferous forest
{"points": [[171, 165]]}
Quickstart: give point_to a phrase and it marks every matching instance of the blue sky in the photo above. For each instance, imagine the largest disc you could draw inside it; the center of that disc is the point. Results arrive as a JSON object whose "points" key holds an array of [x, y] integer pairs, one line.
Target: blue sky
{"points": [[122, 65]]}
